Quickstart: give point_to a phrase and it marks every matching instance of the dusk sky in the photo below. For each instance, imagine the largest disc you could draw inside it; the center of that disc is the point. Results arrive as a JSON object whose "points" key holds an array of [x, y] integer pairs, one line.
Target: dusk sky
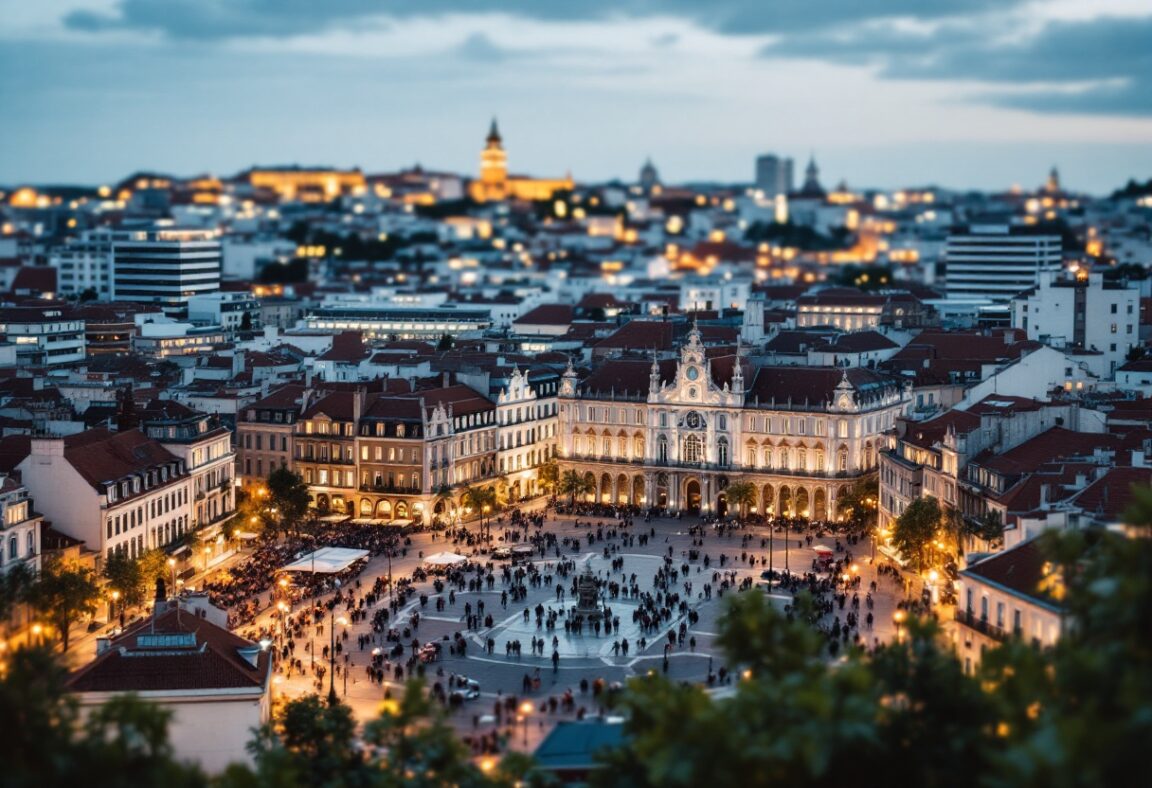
{"points": [[885, 93]]}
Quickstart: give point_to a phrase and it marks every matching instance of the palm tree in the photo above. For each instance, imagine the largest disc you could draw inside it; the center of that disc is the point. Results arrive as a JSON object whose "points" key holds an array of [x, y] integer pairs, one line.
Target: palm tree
{"points": [[573, 484], [481, 499], [741, 495]]}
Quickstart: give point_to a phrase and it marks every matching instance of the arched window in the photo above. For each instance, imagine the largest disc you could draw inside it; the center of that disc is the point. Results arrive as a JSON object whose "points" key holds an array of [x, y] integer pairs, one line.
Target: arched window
{"points": [[750, 457], [801, 460], [722, 451], [638, 447], [721, 422], [662, 448], [13, 547], [842, 460], [606, 447], [842, 428], [692, 449]]}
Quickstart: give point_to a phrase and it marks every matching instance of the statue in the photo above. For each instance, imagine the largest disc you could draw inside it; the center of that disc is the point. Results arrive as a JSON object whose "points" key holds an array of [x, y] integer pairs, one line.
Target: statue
{"points": [[588, 597]]}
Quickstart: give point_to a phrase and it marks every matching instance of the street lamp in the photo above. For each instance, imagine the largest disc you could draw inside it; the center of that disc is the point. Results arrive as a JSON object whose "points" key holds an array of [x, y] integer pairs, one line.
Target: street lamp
{"points": [[37, 631], [899, 617], [172, 569], [525, 713], [332, 653]]}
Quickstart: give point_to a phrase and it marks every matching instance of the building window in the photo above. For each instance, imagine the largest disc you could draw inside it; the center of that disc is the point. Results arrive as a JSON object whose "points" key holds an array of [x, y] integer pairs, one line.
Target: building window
{"points": [[722, 450], [692, 449]]}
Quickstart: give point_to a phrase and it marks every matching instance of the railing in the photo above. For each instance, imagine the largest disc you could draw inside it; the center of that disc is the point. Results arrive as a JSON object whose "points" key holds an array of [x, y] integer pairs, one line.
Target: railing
{"points": [[390, 488], [982, 625], [715, 466]]}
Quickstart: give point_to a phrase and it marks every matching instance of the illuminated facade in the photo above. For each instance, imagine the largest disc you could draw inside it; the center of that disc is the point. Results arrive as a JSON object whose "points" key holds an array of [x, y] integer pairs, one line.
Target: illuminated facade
{"points": [[495, 184], [302, 184], [678, 438]]}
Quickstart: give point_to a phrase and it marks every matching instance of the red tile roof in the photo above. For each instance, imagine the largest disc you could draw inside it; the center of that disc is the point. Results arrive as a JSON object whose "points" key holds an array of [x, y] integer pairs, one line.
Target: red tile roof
{"points": [[143, 660], [547, 315], [1020, 569], [1109, 496], [639, 335], [626, 377], [347, 346], [101, 456]]}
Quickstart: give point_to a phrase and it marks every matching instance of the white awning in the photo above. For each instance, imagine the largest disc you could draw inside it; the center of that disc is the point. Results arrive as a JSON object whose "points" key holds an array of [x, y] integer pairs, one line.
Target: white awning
{"points": [[445, 559], [327, 560]]}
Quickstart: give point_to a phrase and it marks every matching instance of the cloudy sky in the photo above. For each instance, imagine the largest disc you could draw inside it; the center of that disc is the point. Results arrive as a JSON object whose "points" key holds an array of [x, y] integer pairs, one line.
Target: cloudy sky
{"points": [[887, 93]]}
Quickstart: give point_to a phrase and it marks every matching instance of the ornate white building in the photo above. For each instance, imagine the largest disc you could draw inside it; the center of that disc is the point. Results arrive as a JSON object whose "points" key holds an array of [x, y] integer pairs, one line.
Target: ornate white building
{"points": [[526, 430], [676, 433]]}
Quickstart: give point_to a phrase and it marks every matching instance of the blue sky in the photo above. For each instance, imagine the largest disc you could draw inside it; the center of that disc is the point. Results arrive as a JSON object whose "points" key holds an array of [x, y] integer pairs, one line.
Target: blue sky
{"points": [[887, 93]]}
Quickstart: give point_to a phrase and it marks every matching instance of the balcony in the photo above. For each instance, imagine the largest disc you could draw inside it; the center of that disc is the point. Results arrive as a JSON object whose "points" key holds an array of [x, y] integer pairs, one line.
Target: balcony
{"points": [[714, 466], [406, 489], [969, 619]]}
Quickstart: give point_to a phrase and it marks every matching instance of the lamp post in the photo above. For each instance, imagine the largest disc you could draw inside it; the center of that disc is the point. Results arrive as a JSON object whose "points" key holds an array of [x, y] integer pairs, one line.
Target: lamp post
{"points": [[525, 713], [37, 632], [172, 569], [899, 617], [332, 654]]}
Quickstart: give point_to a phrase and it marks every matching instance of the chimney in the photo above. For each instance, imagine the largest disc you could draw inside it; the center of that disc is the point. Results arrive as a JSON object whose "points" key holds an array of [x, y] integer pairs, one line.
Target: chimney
{"points": [[47, 446], [160, 603]]}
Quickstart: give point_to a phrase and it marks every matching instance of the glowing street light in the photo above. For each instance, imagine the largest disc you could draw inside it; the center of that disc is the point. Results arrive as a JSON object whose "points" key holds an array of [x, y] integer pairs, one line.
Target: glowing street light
{"points": [[899, 617], [525, 713]]}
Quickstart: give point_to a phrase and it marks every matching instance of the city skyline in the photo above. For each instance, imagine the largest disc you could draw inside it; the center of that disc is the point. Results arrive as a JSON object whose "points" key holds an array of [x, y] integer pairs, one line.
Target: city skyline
{"points": [[881, 98]]}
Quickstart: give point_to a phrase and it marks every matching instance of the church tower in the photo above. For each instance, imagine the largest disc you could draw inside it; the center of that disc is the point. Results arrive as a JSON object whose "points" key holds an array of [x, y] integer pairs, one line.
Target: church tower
{"points": [[494, 166]]}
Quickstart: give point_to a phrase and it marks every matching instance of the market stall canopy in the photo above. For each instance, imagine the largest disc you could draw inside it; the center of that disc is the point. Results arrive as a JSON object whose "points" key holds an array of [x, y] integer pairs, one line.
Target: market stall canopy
{"points": [[820, 548], [445, 559], [327, 560]]}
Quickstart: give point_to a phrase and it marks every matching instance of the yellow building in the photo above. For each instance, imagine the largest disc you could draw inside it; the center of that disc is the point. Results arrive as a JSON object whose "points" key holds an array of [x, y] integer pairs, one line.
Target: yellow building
{"points": [[496, 184], [307, 184]]}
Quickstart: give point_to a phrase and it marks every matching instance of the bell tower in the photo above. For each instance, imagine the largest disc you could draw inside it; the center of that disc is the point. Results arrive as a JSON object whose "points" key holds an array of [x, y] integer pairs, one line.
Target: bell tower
{"points": [[494, 165]]}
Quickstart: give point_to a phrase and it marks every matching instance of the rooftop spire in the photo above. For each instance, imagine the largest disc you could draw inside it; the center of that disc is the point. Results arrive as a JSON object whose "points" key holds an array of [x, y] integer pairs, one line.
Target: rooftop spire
{"points": [[494, 133]]}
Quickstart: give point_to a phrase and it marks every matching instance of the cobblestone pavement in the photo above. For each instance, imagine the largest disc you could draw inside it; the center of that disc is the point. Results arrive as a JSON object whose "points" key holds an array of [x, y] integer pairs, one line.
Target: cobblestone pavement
{"points": [[586, 656]]}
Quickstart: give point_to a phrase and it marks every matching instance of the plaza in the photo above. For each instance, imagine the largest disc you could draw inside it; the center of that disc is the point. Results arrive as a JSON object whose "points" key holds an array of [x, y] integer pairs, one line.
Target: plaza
{"points": [[518, 650]]}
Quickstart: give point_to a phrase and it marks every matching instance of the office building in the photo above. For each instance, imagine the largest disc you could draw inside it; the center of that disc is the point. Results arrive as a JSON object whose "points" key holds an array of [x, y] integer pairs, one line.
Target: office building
{"points": [[773, 175], [166, 267], [995, 263]]}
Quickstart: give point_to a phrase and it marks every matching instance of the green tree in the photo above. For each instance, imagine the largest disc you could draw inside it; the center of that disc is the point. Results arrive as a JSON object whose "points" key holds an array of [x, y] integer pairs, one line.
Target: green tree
{"points": [[15, 585], [858, 505], [741, 495], [445, 342], [122, 743], [915, 529], [313, 743], [124, 577], [549, 475], [63, 593], [246, 322], [288, 496], [310, 742]]}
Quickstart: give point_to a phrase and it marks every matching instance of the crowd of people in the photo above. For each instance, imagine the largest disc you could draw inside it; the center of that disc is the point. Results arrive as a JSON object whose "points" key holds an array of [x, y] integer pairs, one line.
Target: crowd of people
{"points": [[662, 606]]}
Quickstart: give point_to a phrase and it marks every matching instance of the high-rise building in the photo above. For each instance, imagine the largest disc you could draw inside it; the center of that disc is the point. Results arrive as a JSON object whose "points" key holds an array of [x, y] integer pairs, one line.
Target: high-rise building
{"points": [[773, 175], [997, 262], [166, 267]]}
